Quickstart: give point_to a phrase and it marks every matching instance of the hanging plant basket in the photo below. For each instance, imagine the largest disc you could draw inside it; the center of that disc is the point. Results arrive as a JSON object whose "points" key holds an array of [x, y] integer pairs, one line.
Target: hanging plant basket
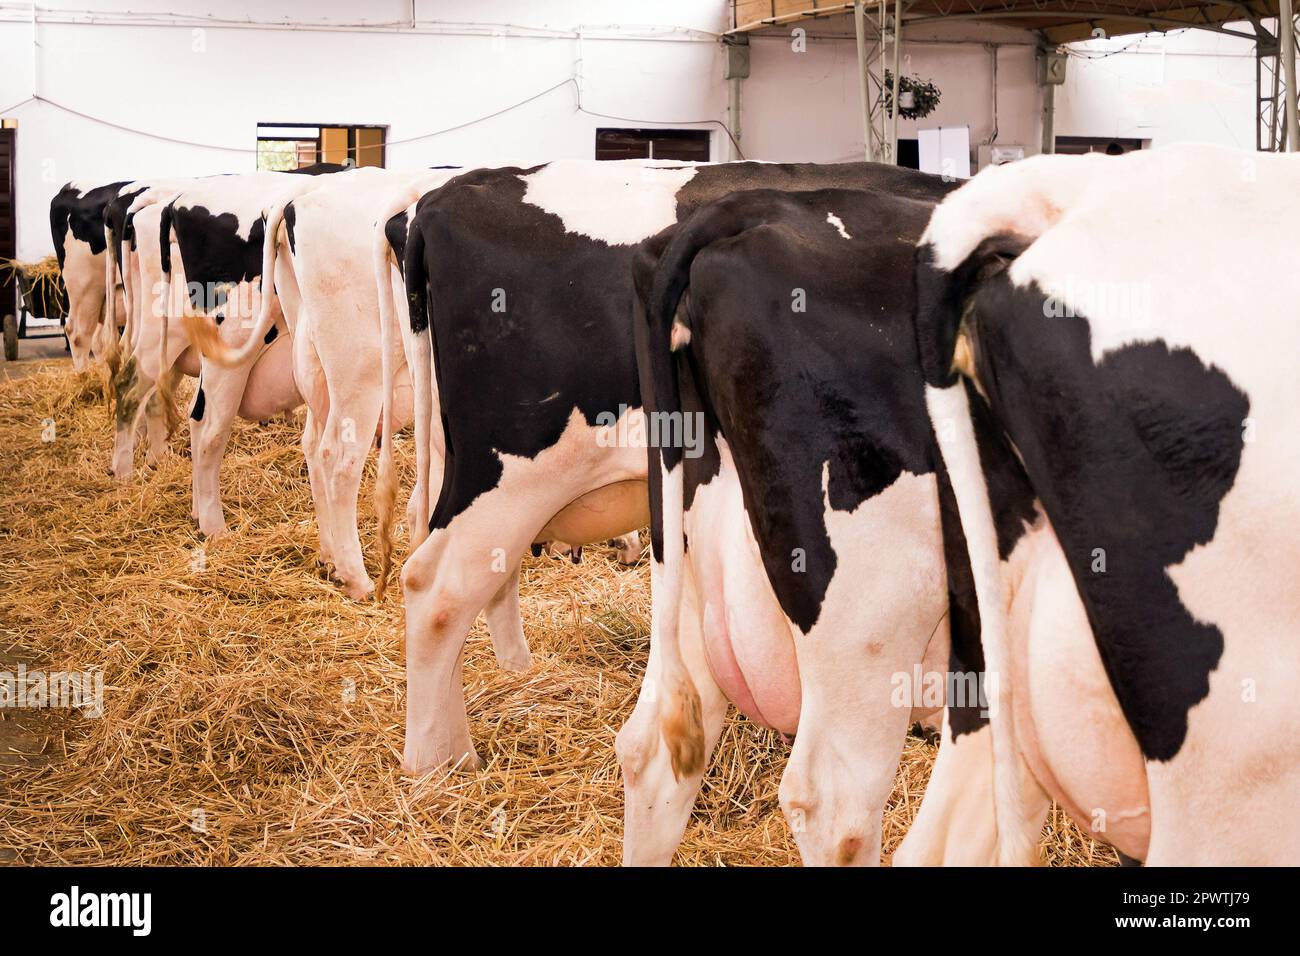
{"points": [[917, 98]]}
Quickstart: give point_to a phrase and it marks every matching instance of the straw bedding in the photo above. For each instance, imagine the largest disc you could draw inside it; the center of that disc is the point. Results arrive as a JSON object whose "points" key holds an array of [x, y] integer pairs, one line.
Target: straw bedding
{"points": [[253, 715]]}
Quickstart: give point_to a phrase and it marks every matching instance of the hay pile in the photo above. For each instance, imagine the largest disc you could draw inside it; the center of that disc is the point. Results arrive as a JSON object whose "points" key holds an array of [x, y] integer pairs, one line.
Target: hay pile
{"points": [[42, 277], [253, 715]]}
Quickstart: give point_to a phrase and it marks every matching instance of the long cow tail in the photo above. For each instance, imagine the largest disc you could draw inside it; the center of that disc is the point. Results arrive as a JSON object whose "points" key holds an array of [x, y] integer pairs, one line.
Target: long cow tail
{"points": [[203, 332], [386, 483], [167, 383], [974, 234], [661, 285]]}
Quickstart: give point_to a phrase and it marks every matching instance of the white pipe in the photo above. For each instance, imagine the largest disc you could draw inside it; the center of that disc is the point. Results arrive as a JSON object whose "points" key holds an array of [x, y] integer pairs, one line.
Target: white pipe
{"points": [[860, 31], [734, 118], [1286, 34], [644, 33], [893, 119]]}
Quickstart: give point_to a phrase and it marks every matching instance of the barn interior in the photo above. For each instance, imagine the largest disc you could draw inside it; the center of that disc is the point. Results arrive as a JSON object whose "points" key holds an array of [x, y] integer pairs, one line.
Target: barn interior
{"points": [[255, 717]]}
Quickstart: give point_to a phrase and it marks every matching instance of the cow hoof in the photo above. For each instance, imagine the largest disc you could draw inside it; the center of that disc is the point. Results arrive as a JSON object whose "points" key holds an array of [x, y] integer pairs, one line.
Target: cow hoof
{"points": [[515, 665], [470, 762], [358, 592], [537, 549], [576, 555]]}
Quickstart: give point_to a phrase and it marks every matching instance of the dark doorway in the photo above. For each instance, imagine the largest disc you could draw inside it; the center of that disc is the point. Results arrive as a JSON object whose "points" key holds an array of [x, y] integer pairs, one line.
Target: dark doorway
{"points": [[683, 145], [909, 153], [1112, 146], [8, 224]]}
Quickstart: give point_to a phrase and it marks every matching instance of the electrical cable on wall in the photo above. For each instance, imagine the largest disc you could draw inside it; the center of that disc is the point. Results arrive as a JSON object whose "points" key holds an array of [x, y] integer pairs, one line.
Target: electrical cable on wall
{"points": [[395, 142]]}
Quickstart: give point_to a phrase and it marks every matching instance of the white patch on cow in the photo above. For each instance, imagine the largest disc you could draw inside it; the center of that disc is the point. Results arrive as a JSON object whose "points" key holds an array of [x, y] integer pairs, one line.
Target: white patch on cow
{"points": [[332, 309], [748, 641], [619, 203], [838, 223], [1135, 287], [886, 598], [1119, 231], [1023, 199]]}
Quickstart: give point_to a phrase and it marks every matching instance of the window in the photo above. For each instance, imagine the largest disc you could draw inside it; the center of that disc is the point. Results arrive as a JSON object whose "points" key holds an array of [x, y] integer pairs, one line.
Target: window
{"points": [[686, 145], [285, 146], [1075, 145]]}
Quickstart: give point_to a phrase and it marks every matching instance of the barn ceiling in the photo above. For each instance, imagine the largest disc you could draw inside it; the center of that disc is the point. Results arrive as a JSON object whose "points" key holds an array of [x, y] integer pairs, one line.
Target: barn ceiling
{"points": [[1059, 21]]}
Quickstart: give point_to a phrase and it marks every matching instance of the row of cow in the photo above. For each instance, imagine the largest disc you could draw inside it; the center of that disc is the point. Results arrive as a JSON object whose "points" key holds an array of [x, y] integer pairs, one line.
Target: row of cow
{"points": [[1030, 435]]}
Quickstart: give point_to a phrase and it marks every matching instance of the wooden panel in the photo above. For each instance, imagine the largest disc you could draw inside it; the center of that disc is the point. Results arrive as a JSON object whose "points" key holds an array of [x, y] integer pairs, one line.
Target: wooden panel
{"points": [[753, 13], [1061, 20], [370, 147], [334, 144]]}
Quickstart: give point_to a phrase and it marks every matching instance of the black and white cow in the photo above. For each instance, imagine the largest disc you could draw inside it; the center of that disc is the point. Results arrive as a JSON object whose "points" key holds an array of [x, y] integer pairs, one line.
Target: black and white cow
{"points": [[520, 282], [216, 229], [1131, 322], [132, 223], [77, 228], [798, 543], [319, 246]]}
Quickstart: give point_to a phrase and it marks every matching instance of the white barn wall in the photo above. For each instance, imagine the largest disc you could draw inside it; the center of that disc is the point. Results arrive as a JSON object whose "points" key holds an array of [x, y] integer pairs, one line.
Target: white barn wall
{"points": [[216, 85], [806, 106], [213, 84], [1189, 85]]}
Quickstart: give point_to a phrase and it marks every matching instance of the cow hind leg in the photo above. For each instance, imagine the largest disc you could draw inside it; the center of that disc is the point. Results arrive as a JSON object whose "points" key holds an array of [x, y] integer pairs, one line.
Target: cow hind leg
{"points": [[506, 626], [445, 583], [211, 418], [311, 440], [159, 422], [956, 825], [132, 391], [348, 433], [657, 805]]}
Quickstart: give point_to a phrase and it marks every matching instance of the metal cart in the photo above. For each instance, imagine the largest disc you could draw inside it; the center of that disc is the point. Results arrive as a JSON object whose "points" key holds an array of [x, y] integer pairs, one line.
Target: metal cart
{"points": [[35, 300]]}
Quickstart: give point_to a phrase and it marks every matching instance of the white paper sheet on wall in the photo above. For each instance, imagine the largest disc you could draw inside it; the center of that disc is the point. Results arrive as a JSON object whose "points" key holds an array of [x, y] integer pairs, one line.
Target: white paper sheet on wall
{"points": [[944, 151]]}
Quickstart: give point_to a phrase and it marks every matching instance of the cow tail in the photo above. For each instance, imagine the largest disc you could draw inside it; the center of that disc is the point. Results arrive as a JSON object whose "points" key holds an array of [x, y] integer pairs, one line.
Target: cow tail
{"points": [[108, 320], [415, 274], [124, 266], [946, 354], [202, 330], [661, 283], [167, 383], [386, 483]]}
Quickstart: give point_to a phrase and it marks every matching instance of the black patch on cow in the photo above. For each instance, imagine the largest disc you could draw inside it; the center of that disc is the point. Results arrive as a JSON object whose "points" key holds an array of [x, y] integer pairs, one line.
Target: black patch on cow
{"points": [[200, 402], [271, 333], [290, 222], [1132, 454], [1012, 501], [320, 169], [395, 233], [834, 388], [214, 254], [941, 297], [83, 213], [965, 652], [509, 381], [165, 238], [120, 226]]}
